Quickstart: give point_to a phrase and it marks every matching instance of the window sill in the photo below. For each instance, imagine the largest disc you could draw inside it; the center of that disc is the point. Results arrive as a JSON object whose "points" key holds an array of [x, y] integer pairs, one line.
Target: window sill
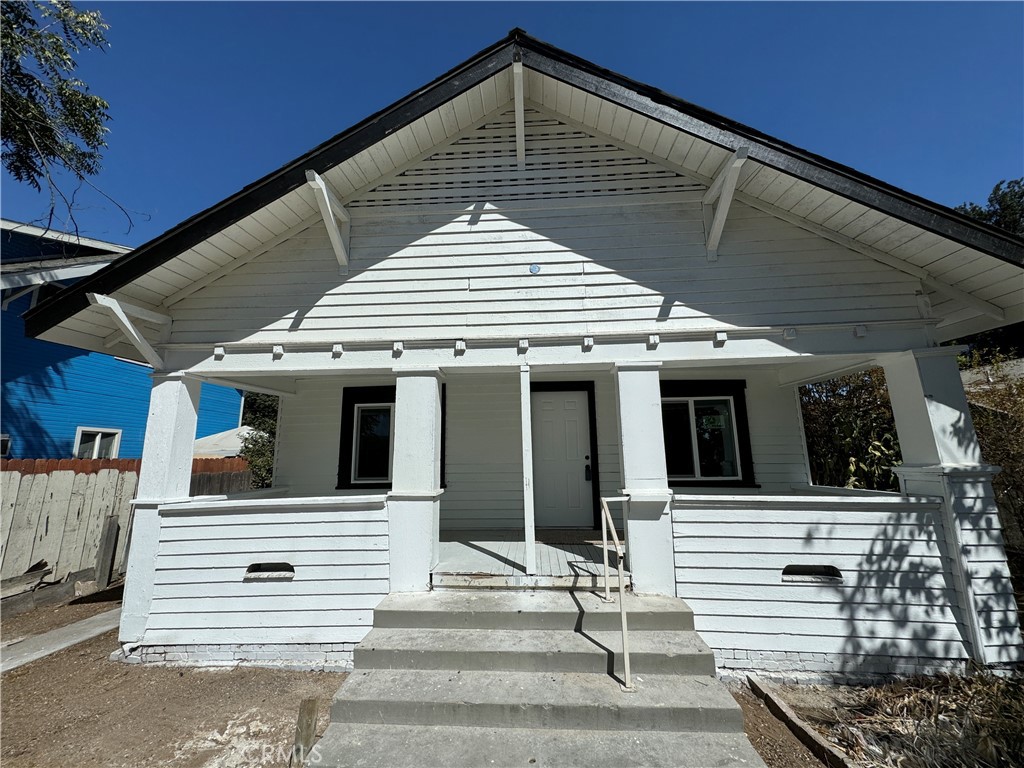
{"points": [[710, 484]]}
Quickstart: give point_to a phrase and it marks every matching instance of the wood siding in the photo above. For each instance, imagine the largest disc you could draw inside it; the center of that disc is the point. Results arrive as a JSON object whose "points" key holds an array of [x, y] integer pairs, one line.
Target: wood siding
{"points": [[200, 595], [444, 250], [896, 599]]}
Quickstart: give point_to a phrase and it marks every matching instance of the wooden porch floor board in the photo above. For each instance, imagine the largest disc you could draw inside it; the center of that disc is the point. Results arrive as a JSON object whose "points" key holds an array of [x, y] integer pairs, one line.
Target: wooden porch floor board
{"points": [[503, 553]]}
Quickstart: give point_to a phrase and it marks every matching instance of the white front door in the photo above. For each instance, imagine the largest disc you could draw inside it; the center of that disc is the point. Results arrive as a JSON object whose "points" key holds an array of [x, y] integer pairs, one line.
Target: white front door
{"points": [[562, 483]]}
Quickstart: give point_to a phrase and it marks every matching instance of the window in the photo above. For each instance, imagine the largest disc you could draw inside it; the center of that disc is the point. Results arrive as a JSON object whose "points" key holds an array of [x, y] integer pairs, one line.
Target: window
{"points": [[366, 454], [93, 443], [707, 441], [373, 443], [5, 446], [367, 437]]}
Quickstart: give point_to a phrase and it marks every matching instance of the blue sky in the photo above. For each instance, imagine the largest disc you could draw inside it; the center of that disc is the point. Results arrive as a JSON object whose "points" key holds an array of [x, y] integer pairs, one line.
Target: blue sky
{"points": [[207, 97]]}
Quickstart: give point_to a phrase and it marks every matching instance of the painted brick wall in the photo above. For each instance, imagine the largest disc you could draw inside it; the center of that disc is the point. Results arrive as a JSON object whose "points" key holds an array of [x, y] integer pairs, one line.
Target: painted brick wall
{"points": [[49, 390]]}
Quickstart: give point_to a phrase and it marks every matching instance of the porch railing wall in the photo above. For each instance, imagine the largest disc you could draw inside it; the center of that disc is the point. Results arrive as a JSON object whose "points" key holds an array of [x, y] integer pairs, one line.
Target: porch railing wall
{"points": [[837, 586]]}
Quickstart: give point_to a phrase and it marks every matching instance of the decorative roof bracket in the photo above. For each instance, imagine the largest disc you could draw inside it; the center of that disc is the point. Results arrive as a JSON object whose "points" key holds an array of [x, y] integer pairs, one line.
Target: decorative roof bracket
{"points": [[121, 312], [332, 212], [721, 190]]}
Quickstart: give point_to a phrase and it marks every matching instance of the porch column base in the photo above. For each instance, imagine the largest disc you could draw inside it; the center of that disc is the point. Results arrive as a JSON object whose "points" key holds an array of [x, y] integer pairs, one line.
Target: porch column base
{"points": [[414, 502], [413, 525], [165, 476], [645, 476], [974, 546]]}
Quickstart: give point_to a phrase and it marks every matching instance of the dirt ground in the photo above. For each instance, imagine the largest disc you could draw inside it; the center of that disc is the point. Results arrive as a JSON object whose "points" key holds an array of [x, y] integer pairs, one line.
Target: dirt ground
{"points": [[76, 709], [774, 742]]}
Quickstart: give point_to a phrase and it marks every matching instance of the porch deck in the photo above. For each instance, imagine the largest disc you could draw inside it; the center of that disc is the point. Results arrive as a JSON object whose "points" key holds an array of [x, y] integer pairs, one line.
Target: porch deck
{"points": [[566, 559]]}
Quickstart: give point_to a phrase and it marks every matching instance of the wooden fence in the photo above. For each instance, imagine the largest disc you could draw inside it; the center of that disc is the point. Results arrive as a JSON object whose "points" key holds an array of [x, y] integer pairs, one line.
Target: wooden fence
{"points": [[55, 510]]}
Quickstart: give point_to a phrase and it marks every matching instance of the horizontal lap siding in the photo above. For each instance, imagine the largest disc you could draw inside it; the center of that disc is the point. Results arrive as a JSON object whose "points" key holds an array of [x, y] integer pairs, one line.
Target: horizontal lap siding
{"points": [[308, 436], [200, 596], [444, 249], [483, 451], [896, 598]]}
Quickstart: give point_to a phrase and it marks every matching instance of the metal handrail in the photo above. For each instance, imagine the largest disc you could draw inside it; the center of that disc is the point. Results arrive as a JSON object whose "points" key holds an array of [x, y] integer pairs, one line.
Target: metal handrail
{"points": [[606, 523]]}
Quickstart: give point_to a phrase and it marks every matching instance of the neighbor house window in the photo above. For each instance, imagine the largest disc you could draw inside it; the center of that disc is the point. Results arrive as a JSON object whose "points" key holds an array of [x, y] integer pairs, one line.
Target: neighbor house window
{"points": [[5, 446], [706, 437], [97, 443]]}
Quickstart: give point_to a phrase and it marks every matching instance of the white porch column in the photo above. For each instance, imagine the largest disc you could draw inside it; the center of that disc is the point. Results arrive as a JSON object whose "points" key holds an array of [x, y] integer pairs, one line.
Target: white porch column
{"points": [[645, 477], [942, 457], [164, 477], [526, 415], [414, 501]]}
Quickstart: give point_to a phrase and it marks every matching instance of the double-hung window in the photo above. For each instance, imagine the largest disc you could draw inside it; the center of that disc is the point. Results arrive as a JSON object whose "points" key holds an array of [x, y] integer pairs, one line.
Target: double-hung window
{"points": [[707, 442]]}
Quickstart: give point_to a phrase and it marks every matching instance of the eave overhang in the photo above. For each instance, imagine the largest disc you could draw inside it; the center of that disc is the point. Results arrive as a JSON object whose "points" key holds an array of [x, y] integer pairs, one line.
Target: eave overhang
{"points": [[574, 71]]}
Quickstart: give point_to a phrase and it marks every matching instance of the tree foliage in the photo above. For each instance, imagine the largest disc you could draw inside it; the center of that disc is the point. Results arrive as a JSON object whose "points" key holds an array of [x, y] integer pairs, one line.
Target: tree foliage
{"points": [[50, 121], [260, 413], [850, 432], [996, 398], [1004, 209]]}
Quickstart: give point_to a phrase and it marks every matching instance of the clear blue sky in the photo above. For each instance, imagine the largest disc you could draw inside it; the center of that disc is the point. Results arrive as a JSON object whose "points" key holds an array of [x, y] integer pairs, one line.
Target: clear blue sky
{"points": [[207, 97]]}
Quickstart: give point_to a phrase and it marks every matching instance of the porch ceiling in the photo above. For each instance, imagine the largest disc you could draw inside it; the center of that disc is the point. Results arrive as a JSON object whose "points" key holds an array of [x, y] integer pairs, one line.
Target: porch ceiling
{"points": [[943, 248]]}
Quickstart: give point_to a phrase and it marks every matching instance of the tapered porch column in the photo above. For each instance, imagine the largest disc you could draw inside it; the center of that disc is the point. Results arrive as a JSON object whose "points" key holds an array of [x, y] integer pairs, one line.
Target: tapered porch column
{"points": [[645, 476], [414, 501], [942, 457], [165, 476]]}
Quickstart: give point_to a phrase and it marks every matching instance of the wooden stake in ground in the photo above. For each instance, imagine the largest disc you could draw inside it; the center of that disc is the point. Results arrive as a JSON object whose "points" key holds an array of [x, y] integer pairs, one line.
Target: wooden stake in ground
{"points": [[305, 733]]}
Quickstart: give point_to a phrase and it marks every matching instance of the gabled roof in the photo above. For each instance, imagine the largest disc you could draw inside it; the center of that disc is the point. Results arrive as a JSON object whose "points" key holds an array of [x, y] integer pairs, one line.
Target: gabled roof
{"points": [[851, 196], [34, 255]]}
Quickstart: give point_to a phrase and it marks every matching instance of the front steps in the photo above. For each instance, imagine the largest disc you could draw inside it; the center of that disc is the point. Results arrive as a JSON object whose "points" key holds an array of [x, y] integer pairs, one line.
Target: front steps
{"points": [[486, 678]]}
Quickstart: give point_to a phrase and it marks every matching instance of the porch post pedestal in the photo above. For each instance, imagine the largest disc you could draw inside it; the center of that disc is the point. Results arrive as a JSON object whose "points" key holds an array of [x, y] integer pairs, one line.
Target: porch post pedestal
{"points": [[414, 500], [645, 477], [942, 458], [164, 477]]}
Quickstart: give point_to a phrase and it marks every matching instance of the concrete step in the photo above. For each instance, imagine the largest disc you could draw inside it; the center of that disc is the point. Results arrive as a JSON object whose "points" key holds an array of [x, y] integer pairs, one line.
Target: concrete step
{"points": [[536, 700], [565, 610], [447, 581], [538, 650], [359, 745]]}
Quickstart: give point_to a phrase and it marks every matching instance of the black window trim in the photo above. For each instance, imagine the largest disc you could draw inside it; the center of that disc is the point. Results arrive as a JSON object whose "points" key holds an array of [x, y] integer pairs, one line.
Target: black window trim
{"points": [[350, 398], [732, 388]]}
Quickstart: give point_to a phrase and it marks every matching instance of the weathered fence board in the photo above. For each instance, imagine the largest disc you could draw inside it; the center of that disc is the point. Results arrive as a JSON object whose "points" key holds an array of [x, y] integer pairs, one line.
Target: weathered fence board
{"points": [[55, 510]]}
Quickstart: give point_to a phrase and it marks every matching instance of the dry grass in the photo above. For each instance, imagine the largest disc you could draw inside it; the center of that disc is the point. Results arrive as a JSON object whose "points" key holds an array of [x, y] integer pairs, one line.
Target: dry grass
{"points": [[933, 722]]}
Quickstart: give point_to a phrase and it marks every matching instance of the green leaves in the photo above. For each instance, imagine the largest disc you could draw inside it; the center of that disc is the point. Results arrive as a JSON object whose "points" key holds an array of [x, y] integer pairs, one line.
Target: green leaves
{"points": [[50, 120]]}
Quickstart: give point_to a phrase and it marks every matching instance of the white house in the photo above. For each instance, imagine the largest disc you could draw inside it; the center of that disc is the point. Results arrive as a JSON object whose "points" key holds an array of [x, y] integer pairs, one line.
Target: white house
{"points": [[529, 284]]}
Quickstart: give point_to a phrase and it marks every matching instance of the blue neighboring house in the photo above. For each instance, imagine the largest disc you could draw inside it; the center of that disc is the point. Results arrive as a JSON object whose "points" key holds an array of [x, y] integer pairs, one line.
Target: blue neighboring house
{"points": [[60, 402]]}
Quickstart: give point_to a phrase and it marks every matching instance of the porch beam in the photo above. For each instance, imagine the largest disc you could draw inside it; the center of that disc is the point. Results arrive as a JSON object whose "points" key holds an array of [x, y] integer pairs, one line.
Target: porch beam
{"points": [[529, 514], [335, 217], [119, 313], [519, 96], [238, 384], [831, 373], [721, 191]]}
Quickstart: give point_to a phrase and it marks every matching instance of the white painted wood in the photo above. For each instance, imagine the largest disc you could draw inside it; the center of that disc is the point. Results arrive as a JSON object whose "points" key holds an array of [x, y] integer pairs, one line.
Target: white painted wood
{"points": [[200, 595], [331, 211], [563, 497], [413, 503], [119, 312], [721, 192], [517, 84], [729, 563], [529, 480], [645, 477]]}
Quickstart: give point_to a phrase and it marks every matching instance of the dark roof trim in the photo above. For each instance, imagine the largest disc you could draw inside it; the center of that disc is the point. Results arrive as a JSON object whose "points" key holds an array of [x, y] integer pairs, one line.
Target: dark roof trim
{"points": [[570, 69]]}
